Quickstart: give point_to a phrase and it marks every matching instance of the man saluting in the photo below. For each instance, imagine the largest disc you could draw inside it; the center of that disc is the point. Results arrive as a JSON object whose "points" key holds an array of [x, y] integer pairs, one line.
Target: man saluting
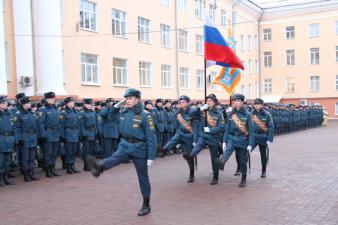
{"points": [[138, 143]]}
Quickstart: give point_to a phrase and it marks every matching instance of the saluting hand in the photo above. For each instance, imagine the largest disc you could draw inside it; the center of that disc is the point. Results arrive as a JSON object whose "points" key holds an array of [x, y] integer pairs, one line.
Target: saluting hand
{"points": [[120, 104]]}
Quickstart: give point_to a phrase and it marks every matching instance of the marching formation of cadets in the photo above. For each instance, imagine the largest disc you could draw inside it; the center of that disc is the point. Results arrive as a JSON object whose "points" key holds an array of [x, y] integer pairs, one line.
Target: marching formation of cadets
{"points": [[117, 133]]}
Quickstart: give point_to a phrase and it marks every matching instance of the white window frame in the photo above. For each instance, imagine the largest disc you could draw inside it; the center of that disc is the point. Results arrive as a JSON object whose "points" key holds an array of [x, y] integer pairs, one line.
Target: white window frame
{"points": [[249, 42], [92, 14], [290, 57], [242, 43], [267, 34], [314, 83], [223, 18], [123, 73], [212, 77], [166, 3], [256, 66], [337, 82], [165, 36], [336, 27], [267, 85], [92, 67], [200, 80], [290, 85], [336, 108], [249, 91], [182, 5], [183, 40], [268, 59], [166, 78], [119, 22], [290, 32], [336, 54], [184, 78], [145, 77], [212, 12], [314, 30], [199, 9], [314, 56], [199, 44], [249, 67], [243, 89], [143, 27], [256, 89]]}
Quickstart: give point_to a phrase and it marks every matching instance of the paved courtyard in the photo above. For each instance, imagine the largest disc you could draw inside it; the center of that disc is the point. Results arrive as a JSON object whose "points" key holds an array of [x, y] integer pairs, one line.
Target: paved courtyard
{"points": [[301, 188]]}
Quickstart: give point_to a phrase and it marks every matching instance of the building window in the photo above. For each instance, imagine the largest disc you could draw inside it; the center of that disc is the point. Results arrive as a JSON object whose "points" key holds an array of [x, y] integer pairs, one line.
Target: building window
{"points": [[267, 34], [249, 42], [223, 18], [267, 59], [184, 77], [314, 83], [242, 43], [143, 30], [290, 57], [120, 76], [87, 15], [200, 79], [314, 54], [290, 32], [336, 27], [199, 44], [336, 108], [165, 36], [337, 54], [256, 66], [119, 23], [89, 69], [199, 7], [166, 76], [243, 89], [249, 91], [212, 11], [234, 17], [145, 74], [249, 67], [267, 86], [166, 2], [337, 82], [183, 40], [290, 85], [212, 77], [256, 42], [182, 5], [256, 89], [314, 30]]}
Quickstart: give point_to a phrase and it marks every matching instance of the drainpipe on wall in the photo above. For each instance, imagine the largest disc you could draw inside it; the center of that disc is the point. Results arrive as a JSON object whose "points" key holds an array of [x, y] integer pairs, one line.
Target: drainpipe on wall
{"points": [[259, 56], [176, 52]]}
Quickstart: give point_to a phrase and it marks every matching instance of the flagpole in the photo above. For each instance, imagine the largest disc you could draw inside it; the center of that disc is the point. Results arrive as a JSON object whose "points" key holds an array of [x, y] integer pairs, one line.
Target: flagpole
{"points": [[205, 91]]}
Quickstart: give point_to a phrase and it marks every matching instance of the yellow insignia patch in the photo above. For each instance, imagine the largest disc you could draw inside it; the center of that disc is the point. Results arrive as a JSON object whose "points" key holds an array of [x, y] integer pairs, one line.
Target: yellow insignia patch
{"points": [[151, 122]]}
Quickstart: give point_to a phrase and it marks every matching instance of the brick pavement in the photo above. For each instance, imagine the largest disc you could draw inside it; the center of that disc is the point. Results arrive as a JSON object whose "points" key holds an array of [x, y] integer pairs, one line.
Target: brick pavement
{"points": [[301, 188]]}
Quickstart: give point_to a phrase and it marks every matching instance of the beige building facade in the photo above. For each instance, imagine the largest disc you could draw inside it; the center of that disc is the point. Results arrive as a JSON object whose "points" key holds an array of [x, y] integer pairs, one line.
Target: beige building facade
{"points": [[99, 48]]}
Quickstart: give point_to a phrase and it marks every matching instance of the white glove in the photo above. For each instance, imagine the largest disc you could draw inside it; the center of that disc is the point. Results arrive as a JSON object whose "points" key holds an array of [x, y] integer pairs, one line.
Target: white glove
{"points": [[206, 129], [204, 107], [249, 148], [224, 146], [194, 144], [120, 104], [178, 146], [228, 110], [149, 162], [268, 143]]}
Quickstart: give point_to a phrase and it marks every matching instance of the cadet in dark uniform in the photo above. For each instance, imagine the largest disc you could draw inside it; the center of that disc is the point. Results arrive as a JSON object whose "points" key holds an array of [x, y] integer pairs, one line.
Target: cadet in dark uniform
{"points": [[138, 143], [88, 130], [98, 150], [170, 117], [49, 133], [110, 128], [70, 132], [27, 133], [211, 131], [160, 123], [264, 130], [184, 134], [238, 136], [7, 139]]}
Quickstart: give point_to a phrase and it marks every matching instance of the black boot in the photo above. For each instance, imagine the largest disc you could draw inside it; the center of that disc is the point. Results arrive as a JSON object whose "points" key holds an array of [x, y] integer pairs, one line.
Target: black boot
{"points": [[26, 176], [220, 163], [49, 173], [32, 175], [69, 169], [94, 166], [10, 175], [192, 171], [86, 166], [243, 181], [214, 179], [263, 175], [7, 181], [145, 208], [64, 164], [52, 169], [2, 182], [238, 172], [74, 169]]}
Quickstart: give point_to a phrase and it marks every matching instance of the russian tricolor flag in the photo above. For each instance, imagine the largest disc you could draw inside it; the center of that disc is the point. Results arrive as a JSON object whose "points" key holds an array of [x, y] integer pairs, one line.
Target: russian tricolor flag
{"points": [[216, 49]]}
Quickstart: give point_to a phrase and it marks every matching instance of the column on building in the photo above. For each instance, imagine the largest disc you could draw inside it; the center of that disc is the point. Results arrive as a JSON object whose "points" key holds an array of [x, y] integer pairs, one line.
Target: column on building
{"points": [[24, 46], [49, 45], [3, 76]]}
